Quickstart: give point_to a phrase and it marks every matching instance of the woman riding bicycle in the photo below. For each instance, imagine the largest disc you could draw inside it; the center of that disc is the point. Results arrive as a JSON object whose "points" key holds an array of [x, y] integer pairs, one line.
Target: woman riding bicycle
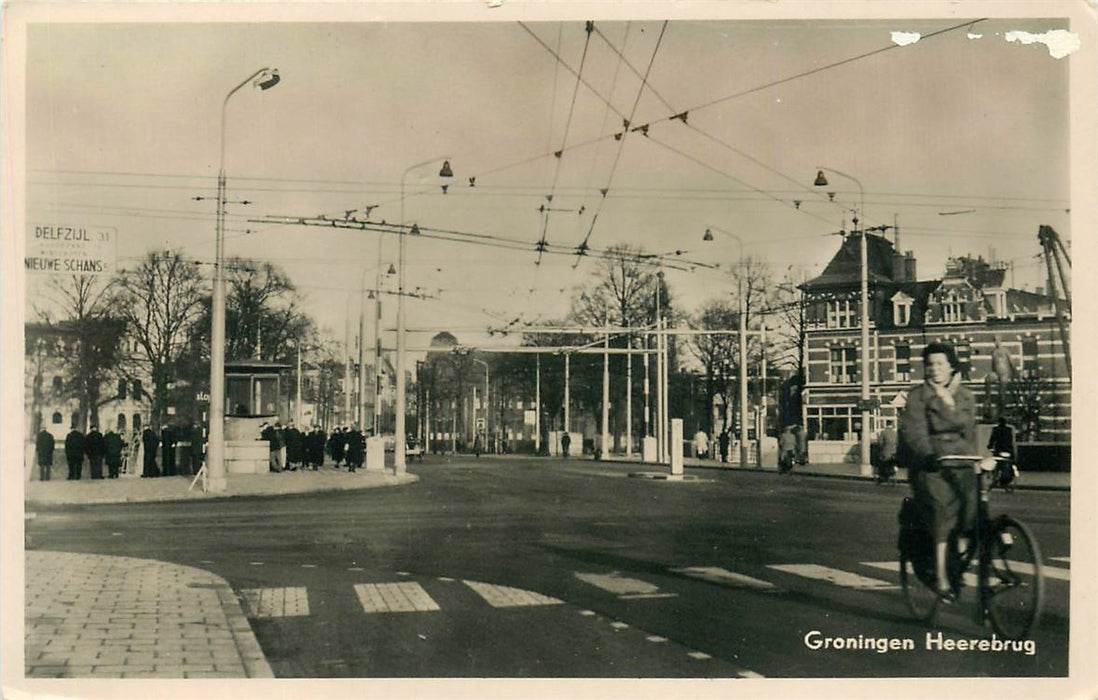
{"points": [[940, 419]]}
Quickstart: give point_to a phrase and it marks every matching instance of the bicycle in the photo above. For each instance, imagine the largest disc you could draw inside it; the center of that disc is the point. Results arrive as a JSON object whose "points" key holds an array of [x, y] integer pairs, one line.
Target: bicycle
{"points": [[1009, 580]]}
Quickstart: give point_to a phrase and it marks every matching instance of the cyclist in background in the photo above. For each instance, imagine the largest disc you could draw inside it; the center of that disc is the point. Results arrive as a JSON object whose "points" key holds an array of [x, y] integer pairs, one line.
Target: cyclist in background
{"points": [[940, 419]]}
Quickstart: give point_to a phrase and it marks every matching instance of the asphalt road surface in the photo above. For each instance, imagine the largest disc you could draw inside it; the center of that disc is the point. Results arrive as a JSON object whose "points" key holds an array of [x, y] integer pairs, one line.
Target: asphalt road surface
{"points": [[546, 568]]}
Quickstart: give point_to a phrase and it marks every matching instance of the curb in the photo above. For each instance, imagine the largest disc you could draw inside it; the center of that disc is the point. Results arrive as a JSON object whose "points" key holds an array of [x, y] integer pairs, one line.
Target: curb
{"points": [[251, 655]]}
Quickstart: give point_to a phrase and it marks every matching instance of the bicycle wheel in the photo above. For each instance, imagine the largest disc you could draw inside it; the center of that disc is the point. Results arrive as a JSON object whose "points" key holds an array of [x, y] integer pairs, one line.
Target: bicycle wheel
{"points": [[921, 599], [1015, 588]]}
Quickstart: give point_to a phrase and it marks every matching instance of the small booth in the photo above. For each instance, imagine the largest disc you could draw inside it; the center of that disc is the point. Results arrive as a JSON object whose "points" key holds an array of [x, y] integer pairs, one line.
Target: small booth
{"points": [[253, 396]]}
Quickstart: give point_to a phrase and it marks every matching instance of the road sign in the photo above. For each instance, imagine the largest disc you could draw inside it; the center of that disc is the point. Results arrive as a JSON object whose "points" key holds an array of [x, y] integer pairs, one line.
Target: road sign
{"points": [[62, 249], [480, 424]]}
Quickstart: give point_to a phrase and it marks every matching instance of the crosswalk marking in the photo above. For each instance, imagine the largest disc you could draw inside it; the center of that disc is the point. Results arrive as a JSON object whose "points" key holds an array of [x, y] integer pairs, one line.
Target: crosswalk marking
{"points": [[405, 596], [715, 574], [971, 578], [264, 603], [836, 576], [620, 585], [507, 597]]}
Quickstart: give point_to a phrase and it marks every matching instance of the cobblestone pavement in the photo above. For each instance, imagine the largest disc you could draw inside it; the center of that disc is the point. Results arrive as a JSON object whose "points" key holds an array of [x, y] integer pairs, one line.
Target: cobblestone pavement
{"points": [[92, 616]]}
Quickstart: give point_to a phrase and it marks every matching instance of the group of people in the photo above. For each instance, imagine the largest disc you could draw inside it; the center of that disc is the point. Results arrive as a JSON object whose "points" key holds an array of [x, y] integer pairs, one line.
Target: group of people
{"points": [[94, 446], [186, 463], [110, 449], [292, 449]]}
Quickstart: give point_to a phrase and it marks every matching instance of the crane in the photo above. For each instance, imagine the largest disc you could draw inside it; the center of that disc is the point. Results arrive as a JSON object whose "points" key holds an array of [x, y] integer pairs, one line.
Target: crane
{"points": [[1056, 254]]}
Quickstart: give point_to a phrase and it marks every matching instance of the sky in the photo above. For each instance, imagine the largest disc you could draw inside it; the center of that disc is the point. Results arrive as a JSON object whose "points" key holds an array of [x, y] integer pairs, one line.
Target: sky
{"points": [[961, 139]]}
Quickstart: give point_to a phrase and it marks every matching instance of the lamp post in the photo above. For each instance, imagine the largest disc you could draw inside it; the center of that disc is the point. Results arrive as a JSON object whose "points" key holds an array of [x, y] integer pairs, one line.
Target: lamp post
{"points": [[742, 327], [399, 446], [486, 412], [265, 79], [863, 353], [375, 294]]}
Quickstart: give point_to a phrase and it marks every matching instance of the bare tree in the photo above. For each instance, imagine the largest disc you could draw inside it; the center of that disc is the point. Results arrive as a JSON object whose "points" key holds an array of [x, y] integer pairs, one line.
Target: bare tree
{"points": [[161, 300], [263, 314], [94, 337]]}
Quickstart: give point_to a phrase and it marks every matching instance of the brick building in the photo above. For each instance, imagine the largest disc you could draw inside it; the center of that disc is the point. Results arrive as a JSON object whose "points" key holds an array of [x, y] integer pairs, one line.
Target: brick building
{"points": [[992, 326]]}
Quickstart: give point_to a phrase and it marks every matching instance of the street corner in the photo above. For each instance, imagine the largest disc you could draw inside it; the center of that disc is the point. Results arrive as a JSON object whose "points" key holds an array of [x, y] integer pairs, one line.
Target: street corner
{"points": [[97, 616]]}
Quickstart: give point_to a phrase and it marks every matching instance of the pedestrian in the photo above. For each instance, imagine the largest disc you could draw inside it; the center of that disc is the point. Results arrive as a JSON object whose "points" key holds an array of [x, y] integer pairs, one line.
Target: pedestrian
{"points": [[295, 455], [787, 450], [149, 445], [168, 441], [802, 444], [74, 453], [94, 448], [197, 446], [356, 448], [1001, 444], [701, 445], [43, 449], [113, 446], [336, 445], [724, 440], [267, 434], [887, 442], [476, 445], [565, 443], [319, 442]]}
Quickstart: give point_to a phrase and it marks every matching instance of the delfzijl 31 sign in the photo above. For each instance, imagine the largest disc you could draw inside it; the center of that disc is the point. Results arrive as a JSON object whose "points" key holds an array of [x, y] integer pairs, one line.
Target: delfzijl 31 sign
{"points": [[71, 250]]}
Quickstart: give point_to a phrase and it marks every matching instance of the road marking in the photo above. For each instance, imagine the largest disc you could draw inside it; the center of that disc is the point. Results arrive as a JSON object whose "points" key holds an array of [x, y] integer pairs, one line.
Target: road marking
{"points": [[619, 625], [656, 639], [404, 596], [587, 613], [641, 596], [619, 585], [699, 655], [750, 674], [308, 566], [715, 574], [836, 576], [354, 568], [255, 563], [971, 579], [263, 603], [507, 597], [447, 579]]}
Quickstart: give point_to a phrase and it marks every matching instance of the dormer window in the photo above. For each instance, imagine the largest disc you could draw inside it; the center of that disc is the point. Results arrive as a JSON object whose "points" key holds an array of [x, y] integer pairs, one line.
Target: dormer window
{"points": [[953, 308], [901, 309], [842, 313]]}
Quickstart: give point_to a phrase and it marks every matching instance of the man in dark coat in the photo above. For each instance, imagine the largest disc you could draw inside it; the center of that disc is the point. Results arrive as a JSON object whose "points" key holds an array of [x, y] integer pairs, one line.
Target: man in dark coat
{"points": [[356, 448], [113, 446], [95, 449], [295, 453], [319, 441], [723, 440], [149, 444], [43, 448], [167, 449], [268, 434], [336, 445], [74, 453]]}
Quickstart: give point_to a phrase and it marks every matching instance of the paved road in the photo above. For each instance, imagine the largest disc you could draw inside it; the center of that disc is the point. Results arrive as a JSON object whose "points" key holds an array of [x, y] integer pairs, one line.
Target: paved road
{"points": [[555, 569]]}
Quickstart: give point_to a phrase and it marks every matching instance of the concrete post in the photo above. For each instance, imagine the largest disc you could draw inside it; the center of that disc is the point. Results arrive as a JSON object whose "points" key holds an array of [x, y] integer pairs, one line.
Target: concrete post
{"points": [[676, 446]]}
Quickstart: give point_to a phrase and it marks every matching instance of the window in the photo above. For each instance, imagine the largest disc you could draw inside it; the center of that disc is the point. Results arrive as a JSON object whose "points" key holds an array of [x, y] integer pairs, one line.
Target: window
{"points": [[58, 384], [953, 309], [903, 363], [56, 418], [75, 420], [121, 388], [842, 365], [121, 422], [137, 389], [136, 422], [832, 423], [842, 313], [901, 309], [1030, 364], [964, 357]]}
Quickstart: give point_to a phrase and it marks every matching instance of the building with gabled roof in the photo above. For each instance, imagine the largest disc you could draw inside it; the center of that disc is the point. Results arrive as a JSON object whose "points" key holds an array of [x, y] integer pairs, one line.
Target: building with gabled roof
{"points": [[992, 327]]}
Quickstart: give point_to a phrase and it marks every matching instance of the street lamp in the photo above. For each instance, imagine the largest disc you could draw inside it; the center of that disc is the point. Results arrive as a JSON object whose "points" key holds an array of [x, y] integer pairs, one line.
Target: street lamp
{"points": [[482, 362], [821, 181], [265, 79], [399, 441], [742, 327]]}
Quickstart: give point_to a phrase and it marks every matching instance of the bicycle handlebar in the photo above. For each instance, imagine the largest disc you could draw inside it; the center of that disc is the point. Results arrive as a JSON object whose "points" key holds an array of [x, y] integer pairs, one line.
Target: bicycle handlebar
{"points": [[970, 461]]}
